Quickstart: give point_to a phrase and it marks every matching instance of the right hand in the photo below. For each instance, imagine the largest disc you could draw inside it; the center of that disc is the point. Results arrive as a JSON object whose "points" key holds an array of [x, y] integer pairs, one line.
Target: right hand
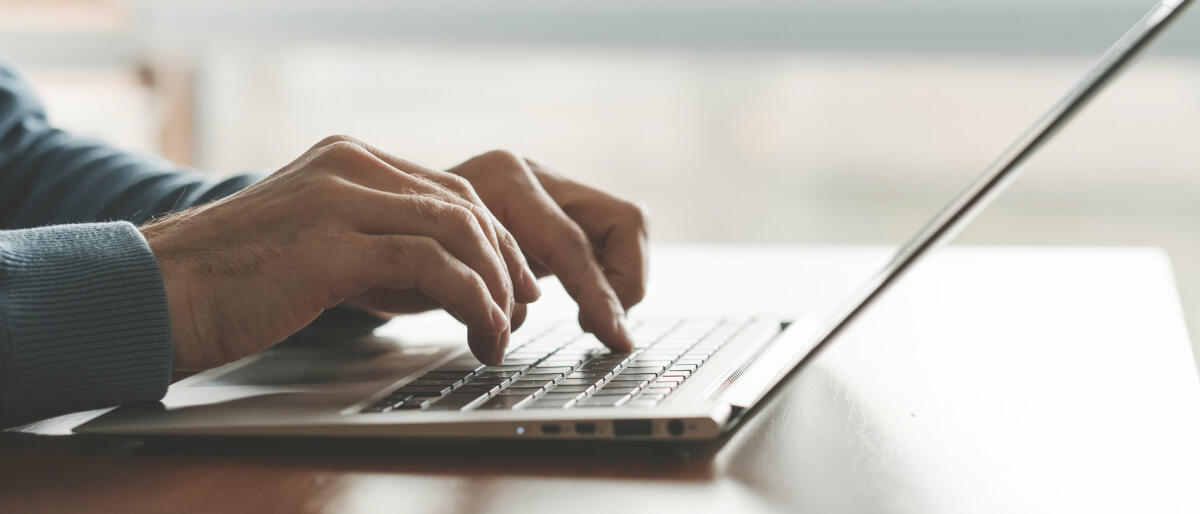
{"points": [[341, 222]]}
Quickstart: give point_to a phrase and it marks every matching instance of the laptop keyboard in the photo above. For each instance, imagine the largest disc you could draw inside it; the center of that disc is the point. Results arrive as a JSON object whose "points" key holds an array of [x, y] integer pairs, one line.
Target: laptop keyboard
{"points": [[563, 367]]}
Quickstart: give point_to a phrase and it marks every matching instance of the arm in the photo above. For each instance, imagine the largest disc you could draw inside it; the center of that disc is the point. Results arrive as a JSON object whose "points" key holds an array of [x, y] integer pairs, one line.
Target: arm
{"points": [[343, 224]]}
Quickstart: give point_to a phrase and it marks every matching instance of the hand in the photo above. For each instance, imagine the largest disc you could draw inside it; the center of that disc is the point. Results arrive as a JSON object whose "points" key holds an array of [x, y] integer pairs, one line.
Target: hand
{"points": [[343, 221], [595, 243]]}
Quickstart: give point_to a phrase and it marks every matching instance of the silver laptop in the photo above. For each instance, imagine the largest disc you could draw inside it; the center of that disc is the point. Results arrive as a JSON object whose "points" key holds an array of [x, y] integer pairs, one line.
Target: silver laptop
{"points": [[687, 379]]}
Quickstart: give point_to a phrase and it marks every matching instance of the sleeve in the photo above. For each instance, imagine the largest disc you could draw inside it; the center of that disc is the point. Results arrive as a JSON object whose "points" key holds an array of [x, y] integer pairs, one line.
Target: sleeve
{"points": [[83, 320]]}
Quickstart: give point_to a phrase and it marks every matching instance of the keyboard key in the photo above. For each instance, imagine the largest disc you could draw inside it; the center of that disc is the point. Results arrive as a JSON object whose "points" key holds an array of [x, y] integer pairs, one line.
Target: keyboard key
{"points": [[684, 367], [502, 368], [444, 374], [523, 390], [651, 363], [480, 389], [522, 360], [689, 361], [642, 403], [610, 390], [544, 377], [627, 381], [457, 401], [594, 375], [554, 401], [506, 402], [427, 390], [653, 370], [635, 376], [502, 373], [604, 401], [411, 406], [571, 388], [576, 381], [423, 394], [435, 381]]}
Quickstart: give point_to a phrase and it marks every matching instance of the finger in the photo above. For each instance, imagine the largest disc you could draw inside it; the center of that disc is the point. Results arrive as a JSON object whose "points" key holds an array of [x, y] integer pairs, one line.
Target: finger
{"points": [[453, 226], [518, 317], [421, 263], [557, 242], [618, 230], [625, 259], [524, 281], [572, 259], [520, 275], [370, 172]]}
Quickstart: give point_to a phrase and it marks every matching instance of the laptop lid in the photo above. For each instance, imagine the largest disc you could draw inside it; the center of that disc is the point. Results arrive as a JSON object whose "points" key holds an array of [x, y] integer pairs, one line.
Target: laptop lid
{"points": [[795, 350]]}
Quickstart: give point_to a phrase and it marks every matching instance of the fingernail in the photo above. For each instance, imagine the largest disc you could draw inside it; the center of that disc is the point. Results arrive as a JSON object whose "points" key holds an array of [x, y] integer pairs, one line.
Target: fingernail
{"points": [[499, 319], [621, 328], [531, 283], [501, 346]]}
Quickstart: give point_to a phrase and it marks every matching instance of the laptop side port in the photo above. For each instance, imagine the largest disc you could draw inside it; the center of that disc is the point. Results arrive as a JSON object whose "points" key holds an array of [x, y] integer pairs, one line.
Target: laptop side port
{"points": [[585, 428], [632, 427], [551, 429], [675, 427]]}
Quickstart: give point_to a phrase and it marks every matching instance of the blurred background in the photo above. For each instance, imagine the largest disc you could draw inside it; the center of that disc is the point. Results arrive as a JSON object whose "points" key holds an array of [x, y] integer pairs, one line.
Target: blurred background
{"points": [[814, 121]]}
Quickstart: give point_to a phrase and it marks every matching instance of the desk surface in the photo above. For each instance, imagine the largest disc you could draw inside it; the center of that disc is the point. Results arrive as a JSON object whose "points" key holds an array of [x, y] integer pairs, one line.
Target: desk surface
{"points": [[990, 380]]}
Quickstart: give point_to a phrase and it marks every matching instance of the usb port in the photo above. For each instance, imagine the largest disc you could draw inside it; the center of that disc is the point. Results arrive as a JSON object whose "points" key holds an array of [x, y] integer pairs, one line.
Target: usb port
{"points": [[551, 429], [632, 427], [585, 428]]}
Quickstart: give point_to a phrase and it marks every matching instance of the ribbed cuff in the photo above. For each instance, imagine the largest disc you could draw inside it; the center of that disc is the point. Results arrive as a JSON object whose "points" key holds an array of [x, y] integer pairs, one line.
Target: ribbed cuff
{"points": [[83, 320]]}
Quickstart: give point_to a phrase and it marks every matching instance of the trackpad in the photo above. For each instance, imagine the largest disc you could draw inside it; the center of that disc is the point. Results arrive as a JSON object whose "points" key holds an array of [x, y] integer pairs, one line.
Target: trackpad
{"points": [[371, 360]]}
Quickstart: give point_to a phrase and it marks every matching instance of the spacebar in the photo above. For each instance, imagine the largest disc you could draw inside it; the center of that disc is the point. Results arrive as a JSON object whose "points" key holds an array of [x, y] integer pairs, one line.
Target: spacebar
{"points": [[458, 401]]}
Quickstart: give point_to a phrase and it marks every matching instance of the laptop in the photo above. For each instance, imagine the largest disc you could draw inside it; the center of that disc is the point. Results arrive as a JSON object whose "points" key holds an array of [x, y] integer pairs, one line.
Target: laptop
{"points": [[688, 378]]}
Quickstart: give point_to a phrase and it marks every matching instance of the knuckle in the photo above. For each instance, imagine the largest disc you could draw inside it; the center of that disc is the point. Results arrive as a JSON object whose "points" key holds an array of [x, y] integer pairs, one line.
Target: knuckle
{"points": [[341, 152], [502, 157], [499, 170], [336, 138], [423, 252], [458, 184], [459, 215], [573, 244], [320, 193], [634, 213], [480, 214]]}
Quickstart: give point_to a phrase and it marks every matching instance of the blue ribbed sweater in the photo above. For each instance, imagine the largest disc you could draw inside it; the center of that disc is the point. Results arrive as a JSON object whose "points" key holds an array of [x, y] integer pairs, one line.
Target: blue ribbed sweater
{"points": [[83, 314]]}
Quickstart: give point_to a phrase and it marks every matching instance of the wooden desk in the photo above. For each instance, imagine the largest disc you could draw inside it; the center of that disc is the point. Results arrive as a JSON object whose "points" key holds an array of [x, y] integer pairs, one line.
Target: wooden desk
{"points": [[991, 380]]}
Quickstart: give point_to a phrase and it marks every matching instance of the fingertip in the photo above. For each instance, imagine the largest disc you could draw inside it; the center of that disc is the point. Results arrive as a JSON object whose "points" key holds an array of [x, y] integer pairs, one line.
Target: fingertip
{"points": [[499, 319], [530, 292], [518, 316], [614, 334], [489, 349], [501, 346], [622, 335]]}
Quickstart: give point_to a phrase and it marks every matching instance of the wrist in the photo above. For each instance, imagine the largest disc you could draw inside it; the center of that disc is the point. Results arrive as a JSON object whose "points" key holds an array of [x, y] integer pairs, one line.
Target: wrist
{"points": [[176, 285]]}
